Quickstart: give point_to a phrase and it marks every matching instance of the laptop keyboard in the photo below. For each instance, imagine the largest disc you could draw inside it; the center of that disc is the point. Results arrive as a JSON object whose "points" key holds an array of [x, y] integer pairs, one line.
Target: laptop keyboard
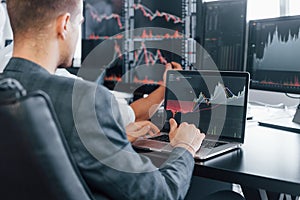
{"points": [[205, 144], [163, 138], [211, 144]]}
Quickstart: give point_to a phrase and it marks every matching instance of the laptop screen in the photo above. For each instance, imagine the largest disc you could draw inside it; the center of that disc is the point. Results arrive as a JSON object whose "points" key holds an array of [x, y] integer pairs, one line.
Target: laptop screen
{"points": [[215, 102]]}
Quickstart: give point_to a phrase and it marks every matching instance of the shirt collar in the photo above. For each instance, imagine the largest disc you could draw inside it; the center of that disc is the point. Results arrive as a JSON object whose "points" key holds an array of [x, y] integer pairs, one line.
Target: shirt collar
{"points": [[24, 65]]}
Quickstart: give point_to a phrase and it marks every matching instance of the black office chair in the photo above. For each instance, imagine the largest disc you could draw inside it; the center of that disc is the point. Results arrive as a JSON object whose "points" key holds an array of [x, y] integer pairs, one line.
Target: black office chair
{"points": [[35, 162]]}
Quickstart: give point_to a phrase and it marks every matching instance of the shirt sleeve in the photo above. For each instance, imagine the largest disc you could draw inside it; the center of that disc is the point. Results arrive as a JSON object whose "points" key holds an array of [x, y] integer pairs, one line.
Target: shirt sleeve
{"points": [[126, 111]]}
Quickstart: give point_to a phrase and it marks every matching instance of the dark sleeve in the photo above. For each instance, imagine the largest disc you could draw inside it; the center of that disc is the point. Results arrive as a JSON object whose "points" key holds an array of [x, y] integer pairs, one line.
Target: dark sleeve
{"points": [[108, 162]]}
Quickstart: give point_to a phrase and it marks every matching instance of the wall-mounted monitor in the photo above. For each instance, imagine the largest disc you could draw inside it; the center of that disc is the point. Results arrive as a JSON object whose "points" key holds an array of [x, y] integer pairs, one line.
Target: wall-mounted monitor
{"points": [[103, 18], [224, 33]]}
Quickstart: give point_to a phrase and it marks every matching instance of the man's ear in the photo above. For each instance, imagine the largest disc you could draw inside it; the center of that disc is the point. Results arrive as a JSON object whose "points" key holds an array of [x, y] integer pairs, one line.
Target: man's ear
{"points": [[62, 25]]}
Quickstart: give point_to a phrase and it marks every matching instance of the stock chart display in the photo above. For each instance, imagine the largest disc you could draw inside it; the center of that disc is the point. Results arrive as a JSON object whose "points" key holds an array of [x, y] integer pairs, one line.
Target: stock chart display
{"points": [[218, 26], [273, 58], [167, 14], [149, 63], [103, 18], [104, 24], [195, 97]]}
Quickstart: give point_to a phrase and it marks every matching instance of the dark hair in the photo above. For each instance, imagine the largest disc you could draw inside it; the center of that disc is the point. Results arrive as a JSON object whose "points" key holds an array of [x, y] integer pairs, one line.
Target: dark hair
{"points": [[34, 14]]}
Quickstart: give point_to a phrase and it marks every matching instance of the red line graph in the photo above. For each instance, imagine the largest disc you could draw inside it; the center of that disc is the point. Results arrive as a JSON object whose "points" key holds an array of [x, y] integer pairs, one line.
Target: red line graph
{"points": [[118, 53], [294, 83], [113, 78], [100, 18], [149, 57], [176, 106], [151, 16], [149, 35], [97, 37], [147, 81]]}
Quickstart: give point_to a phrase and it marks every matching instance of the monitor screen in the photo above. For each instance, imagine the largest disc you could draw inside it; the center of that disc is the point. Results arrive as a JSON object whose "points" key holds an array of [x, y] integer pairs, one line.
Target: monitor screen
{"points": [[224, 33], [104, 25], [163, 14], [103, 18], [273, 54], [219, 25], [156, 22], [148, 65], [208, 99], [137, 60]]}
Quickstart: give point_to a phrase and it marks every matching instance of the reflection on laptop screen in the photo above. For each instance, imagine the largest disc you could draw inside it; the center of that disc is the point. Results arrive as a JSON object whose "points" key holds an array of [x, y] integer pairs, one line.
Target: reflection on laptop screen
{"points": [[214, 101]]}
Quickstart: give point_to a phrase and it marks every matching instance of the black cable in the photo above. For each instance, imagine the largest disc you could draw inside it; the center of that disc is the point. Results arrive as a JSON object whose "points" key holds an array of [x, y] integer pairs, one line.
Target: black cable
{"points": [[293, 97]]}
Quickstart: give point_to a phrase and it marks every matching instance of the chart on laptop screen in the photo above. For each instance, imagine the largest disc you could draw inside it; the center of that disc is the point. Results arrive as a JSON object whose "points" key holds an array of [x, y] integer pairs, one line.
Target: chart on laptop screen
{"points": [[208, 101]]}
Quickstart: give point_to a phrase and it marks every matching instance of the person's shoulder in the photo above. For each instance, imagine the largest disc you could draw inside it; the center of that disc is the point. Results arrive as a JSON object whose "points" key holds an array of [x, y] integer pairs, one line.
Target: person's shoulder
{"points": [[81, 86]]}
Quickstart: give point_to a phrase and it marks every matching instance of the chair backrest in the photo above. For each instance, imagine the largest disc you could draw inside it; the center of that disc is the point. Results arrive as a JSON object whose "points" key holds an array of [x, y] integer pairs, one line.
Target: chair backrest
{"points": [[35, 162]]}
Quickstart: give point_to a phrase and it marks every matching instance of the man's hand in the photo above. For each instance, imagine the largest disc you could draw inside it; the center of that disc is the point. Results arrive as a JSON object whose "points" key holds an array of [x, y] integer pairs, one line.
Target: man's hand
{"points": [[171, 66], [186, 136], [145, 108], [138, 129]]}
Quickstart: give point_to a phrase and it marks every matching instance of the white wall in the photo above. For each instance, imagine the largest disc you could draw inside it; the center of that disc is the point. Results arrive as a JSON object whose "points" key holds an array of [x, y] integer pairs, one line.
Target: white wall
{"points": [[272, 98], [5, 30]]}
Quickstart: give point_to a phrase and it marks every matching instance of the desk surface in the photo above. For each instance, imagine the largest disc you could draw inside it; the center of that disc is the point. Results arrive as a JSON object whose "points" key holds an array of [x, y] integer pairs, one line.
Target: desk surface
{"points": [[269, 159]]}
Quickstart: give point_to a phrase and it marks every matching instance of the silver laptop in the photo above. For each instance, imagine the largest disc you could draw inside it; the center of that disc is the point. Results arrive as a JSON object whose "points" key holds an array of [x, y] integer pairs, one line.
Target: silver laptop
{"points": [[216, 102]]}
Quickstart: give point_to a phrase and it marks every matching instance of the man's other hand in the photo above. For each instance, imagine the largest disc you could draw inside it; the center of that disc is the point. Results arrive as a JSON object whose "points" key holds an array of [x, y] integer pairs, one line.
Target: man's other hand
{"points": [[142, 128], [186, 136]]}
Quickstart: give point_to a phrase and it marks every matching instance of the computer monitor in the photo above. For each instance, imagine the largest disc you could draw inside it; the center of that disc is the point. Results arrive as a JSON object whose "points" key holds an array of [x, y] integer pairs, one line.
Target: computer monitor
{"points": [[142, 64], [168, 14], [273, 54], [224, 33], [219, 26], [103, 18], [155, 22], [104, 22]]}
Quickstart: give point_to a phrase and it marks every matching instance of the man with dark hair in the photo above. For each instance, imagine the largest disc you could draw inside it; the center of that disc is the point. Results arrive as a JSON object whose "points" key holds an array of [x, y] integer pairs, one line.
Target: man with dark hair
{"points": [[45, 35]]}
